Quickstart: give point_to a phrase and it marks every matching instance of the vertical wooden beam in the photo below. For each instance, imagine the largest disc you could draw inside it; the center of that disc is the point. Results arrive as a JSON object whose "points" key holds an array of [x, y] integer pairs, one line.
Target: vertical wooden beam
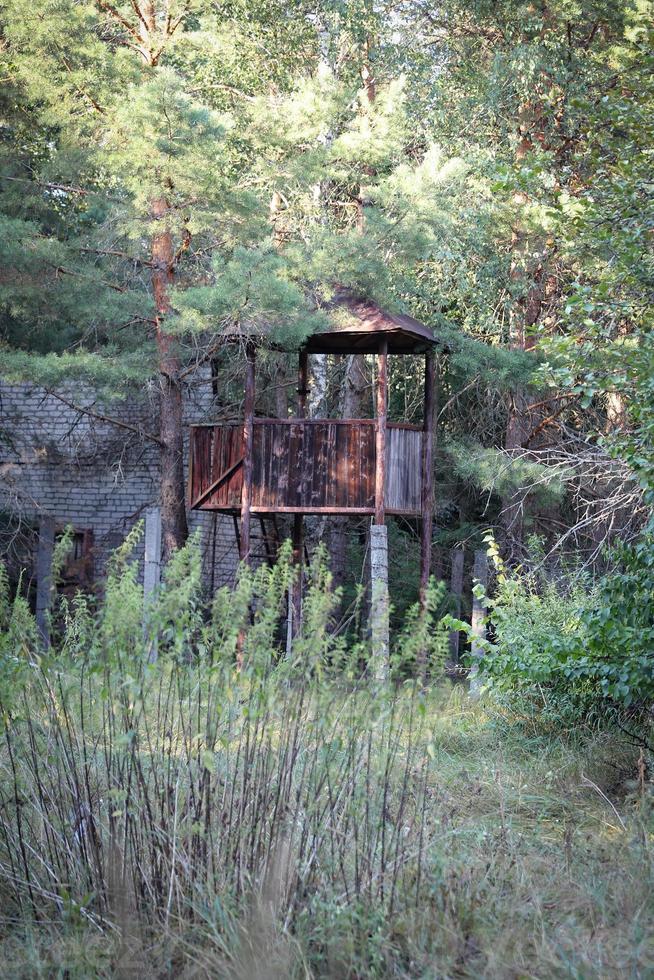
{"points": [[298, 519], [427, 489], [380, 432], [248, 430], [379, 531], [44, 577]]}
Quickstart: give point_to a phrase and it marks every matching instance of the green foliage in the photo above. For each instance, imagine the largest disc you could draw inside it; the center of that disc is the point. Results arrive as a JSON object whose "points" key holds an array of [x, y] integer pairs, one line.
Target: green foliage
{"points": [[285, 819], [121, 615], [587, 645], [492, 471], [605, 352], [422, 644], [18, 641], [615, 644], [110, 136], [263, 828]]}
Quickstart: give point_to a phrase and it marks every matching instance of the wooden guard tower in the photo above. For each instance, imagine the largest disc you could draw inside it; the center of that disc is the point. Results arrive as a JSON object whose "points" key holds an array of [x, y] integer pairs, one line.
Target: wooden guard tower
{"points": [[269, 466]]}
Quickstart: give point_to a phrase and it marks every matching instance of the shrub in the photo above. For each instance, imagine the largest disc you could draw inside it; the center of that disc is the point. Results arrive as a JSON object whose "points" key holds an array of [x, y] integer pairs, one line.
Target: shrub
{"points": [[586, 643], [182, 818], [183, 793]]}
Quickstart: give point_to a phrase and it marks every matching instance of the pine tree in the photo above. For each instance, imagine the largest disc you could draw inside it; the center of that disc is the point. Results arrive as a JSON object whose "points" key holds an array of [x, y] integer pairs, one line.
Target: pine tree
{"points": [[137, 188]]}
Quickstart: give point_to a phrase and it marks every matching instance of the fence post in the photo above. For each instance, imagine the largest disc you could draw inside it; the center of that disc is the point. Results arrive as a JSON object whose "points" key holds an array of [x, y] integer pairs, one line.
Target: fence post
{"points": [[479, 577], [456, 588], [379, 599], [44, 578], [151, 568]]}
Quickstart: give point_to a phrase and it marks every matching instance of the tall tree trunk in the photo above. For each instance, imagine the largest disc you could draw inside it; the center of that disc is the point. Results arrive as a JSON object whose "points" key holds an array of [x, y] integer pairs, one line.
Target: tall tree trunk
{"points": [[279, 362], [151, 29], [526, 277], [174, 527]]}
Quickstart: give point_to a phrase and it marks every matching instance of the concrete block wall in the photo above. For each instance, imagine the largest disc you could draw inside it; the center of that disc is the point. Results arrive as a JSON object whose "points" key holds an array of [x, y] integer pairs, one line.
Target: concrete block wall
{"points": [[58, 462]]}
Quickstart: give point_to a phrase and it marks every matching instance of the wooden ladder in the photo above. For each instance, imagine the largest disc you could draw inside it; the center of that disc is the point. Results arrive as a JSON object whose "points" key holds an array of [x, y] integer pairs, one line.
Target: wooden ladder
{"points": [[265, 545]]}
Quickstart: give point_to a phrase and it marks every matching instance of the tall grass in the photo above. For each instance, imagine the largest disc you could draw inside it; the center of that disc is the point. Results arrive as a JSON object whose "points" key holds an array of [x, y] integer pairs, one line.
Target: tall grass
{"points": [[296, 819]]}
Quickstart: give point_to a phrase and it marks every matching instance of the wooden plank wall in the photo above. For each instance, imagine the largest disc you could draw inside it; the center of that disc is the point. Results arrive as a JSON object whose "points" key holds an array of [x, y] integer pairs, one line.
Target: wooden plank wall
{"points": [[213, 450], [403, 461], [313, 465], [310, 465]]}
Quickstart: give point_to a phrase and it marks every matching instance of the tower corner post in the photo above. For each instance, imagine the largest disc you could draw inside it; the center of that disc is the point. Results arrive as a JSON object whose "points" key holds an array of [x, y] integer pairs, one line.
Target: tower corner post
{"points": [[248, 434], [298, 519], [379, 599], [427, 476]]}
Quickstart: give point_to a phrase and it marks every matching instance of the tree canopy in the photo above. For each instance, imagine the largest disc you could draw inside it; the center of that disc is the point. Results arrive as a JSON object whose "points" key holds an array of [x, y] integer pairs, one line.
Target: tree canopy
{"points": [[171, 169]]}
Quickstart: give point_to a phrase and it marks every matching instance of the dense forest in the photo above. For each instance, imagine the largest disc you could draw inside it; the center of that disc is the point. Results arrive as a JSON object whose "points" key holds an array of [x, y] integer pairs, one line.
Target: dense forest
{"points": [[188, 788]]}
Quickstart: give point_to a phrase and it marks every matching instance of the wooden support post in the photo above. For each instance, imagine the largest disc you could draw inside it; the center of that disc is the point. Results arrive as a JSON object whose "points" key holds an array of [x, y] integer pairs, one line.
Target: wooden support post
{"points": [[44, 577], [248, 432], [302, 384], [427, 488], [151, 570], [456, 588], [380, 432], [479, 577], [378, 530], [298, 519]]}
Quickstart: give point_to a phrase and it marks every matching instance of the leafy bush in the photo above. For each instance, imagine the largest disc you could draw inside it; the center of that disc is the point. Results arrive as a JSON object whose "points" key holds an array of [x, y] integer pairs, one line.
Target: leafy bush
{"points": [[295, 818], [614, 648], [585, 642]]}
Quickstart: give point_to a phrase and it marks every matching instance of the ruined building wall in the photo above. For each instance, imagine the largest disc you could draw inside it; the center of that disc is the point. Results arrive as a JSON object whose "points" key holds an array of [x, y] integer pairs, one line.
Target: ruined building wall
{"points": [[57, 462]]}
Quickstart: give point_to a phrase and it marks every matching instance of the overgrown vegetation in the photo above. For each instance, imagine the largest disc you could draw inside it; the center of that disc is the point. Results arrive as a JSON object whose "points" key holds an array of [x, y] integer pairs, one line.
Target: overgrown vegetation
{"points": [[184, 791], [589, 643], [179, 818]]}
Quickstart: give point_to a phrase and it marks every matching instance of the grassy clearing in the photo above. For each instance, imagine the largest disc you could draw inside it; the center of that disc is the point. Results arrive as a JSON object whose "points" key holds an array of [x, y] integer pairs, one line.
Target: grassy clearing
{"points": [[182, 822]]}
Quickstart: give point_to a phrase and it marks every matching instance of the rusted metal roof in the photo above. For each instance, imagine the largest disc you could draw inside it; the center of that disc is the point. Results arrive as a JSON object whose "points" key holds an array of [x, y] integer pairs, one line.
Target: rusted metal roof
{"points": [[357, 325]]}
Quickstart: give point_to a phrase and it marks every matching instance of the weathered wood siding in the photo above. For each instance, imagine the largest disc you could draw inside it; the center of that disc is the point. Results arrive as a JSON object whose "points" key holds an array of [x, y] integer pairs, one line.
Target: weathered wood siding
{"points": [[403, 459], [214, 449], [309, 465]]}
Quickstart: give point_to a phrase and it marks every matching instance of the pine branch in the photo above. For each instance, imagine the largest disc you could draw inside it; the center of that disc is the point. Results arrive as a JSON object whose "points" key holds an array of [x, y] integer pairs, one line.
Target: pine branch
{"points": [[121, 255], [62, 270], [139, 14], [458, 394], [548, 401], [140, 46], [186, 242], [116, 14], [226, 88], [142, 433], [547, 421], [47, 185], [80, 90]]}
